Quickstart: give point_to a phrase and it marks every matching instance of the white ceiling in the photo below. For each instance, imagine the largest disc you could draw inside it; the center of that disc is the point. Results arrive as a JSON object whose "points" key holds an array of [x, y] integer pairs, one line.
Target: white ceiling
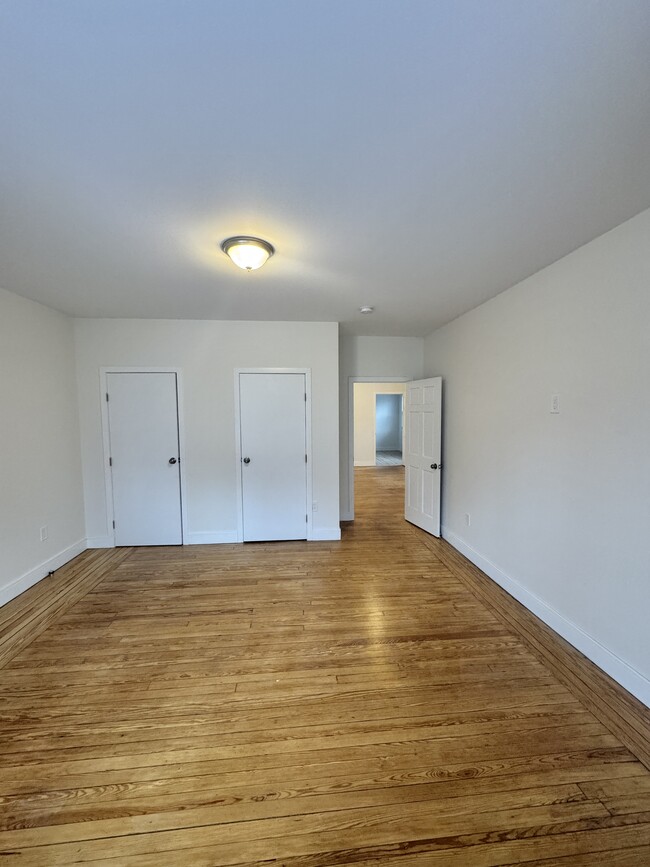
{"points": [[416, 156]]}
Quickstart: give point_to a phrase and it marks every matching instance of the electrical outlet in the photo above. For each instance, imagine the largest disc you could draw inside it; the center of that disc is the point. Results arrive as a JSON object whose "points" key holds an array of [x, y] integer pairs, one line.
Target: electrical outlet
{"points": [[44, 533], [468, 519], [555, 404]]}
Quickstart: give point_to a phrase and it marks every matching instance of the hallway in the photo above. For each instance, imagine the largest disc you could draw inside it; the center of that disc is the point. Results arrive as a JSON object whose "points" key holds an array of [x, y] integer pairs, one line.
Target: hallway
{"points": [[302, 704]]}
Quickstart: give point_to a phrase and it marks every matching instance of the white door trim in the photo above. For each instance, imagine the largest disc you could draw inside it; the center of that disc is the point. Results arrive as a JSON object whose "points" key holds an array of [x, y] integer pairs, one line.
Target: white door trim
{"points": [[351, 381], [106, 444], [238, 455]]}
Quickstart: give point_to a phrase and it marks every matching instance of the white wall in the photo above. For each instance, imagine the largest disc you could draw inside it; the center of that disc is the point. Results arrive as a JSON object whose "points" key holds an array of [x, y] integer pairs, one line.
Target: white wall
{"points": [[208, 353], [380, 358], [559, 504], [365, 431], [40, 467]]}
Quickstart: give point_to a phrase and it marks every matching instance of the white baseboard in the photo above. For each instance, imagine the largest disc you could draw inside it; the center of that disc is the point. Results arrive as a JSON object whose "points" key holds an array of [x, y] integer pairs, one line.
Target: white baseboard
{"points": [[24, 582], [211, 538], [227, 537], [622, 672], [347, 516], [325, 534], [365, 463], [101, 542]]}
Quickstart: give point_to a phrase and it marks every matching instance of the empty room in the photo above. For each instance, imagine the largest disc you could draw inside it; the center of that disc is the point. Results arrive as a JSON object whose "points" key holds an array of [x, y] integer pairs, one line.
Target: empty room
{"points": [[325, 470]]}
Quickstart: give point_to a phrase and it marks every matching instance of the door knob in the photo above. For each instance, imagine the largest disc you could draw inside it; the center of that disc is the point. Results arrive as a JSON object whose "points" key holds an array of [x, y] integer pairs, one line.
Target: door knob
{"points": [[434, 466], [172, 460], [247, 460]]}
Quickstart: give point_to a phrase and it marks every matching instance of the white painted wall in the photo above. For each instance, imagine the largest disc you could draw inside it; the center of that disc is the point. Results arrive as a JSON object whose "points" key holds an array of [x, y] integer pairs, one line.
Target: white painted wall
{"points": [[207, 352], [559, 504], [40, 468], [377, 357], [365, 431]]}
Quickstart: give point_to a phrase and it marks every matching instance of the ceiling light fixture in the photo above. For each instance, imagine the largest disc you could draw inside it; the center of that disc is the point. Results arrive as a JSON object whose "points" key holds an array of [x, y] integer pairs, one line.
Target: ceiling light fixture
{"points": [[366, 309], [247, 252]]}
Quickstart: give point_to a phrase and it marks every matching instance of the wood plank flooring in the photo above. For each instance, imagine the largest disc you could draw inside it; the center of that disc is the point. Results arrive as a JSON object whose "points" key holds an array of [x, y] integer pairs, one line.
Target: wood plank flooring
{"points": [[303, 704], [24, 618], [388, 459]]}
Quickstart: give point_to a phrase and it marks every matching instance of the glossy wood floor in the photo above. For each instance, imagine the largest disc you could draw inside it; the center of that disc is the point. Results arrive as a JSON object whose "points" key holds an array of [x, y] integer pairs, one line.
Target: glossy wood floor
{"points": [[302, 705]]}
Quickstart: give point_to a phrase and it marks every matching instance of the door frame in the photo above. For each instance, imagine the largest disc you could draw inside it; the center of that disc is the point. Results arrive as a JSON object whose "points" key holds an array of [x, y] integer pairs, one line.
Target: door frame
{"points": [[308, 445], [351, 381], [106, 442]]}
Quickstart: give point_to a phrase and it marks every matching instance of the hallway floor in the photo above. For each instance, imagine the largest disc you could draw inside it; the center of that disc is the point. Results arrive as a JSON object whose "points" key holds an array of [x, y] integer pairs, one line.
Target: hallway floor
{"points": [[388, 459], [301, 704]]}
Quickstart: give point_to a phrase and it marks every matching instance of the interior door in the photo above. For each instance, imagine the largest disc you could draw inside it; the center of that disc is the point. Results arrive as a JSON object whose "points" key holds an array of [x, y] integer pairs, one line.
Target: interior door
{"points": [[145, 465], [423, 406], [273, 455]]}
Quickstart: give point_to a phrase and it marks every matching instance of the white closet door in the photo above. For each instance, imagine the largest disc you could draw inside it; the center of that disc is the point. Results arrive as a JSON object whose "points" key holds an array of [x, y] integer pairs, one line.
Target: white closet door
{"points": [[422, 453], [273, 456], [143, 428]]}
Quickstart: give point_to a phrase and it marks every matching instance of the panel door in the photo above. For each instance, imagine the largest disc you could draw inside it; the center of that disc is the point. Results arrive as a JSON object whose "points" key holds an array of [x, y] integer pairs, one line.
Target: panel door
{"points": [[145, 461], [273, 456], [422, 449]]}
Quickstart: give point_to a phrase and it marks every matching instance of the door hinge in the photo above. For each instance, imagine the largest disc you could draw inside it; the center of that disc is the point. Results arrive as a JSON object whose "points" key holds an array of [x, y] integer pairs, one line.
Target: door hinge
{"points": [[110, 462], [306, 519], [305, 458], [305, 397], [106, 397], [113, 524]]}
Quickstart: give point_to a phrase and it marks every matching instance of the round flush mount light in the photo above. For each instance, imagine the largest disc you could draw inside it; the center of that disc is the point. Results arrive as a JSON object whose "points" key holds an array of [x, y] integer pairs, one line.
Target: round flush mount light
{"points": [[247, 252], [366, 309]]}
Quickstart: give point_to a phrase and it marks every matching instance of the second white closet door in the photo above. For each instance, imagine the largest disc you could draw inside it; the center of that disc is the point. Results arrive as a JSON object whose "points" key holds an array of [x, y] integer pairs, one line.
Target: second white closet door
{"points": [[273, 450]]}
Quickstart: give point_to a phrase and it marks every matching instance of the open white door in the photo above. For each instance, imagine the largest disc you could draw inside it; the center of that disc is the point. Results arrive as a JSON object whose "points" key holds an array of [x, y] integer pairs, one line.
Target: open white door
{"points": [[422, 413], [273, 430], [144, 457]]}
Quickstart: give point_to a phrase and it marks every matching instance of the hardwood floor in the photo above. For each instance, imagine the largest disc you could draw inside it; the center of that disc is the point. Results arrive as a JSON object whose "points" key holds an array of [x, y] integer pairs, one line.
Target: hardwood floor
{"points": [[388, 459], [300, 704]]}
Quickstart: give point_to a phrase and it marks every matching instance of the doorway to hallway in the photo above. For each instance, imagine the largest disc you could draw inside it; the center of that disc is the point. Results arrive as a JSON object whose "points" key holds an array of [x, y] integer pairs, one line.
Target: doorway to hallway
{"points": [[378, 419], [421, 443], [365, 403]]}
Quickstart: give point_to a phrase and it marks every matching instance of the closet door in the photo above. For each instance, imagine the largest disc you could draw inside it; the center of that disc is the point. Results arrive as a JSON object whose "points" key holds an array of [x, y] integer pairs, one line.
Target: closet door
{"points": [[273, 456], [145, 460]]}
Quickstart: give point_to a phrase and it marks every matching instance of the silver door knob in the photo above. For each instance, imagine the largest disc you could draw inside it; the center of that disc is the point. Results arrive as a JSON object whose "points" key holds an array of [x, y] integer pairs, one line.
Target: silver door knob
{"points": [[172, 460], [247, 460]]}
